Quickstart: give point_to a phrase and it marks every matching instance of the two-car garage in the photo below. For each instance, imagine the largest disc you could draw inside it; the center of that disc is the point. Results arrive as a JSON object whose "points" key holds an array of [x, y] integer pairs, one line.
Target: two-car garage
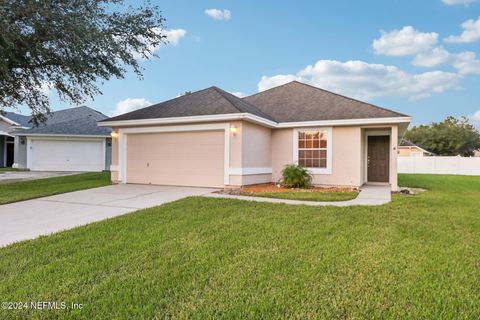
{"points": [[175, 158], [57, 154]]}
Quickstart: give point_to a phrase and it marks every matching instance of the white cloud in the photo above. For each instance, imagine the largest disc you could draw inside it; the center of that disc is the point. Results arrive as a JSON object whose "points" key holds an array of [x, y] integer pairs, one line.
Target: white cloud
{"points": [[457, 2], [218, 14], [130, 104], [365, 81], [275, 81], [173, 36], [432, 58], [475, 119], [476, 116], [404, 42], [238, 94], [471, 32], [467, 62]]}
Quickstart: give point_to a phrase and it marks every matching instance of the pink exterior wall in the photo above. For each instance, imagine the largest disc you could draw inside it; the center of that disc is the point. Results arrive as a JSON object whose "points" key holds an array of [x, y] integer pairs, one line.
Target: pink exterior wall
{"points": [[236, 145], [114, 164], [346, 158], [256, 151], [282, 151], [250, 148], [347, 155]]}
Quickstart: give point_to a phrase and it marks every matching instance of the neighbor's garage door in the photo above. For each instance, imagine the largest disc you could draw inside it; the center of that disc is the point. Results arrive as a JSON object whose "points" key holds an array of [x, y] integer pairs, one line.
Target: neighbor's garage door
{"points": [[176, 158], [67, 155]]}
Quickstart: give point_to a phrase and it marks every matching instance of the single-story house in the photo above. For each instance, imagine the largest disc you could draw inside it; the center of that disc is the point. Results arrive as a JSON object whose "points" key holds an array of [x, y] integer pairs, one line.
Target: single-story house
{"points": [[211, 138], [407, 148], [70, 140]]}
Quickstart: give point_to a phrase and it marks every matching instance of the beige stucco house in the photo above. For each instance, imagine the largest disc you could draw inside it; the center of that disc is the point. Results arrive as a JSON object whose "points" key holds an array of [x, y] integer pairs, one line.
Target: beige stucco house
{"points": [[211, 138]]}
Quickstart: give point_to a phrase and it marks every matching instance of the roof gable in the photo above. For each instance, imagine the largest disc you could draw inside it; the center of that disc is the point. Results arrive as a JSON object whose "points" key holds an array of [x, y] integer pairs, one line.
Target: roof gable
{"points": [[295, 102]]}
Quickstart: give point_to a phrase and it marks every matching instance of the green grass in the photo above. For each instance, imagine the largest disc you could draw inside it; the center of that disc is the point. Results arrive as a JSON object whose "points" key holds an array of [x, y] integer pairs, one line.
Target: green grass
{"points": [[417, 257], [30, 189], [306, 195], [7, 169]]}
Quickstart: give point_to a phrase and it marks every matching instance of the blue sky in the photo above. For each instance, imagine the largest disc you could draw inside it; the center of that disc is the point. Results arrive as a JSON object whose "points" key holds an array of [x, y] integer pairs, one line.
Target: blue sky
{"points": [[417, 57]]}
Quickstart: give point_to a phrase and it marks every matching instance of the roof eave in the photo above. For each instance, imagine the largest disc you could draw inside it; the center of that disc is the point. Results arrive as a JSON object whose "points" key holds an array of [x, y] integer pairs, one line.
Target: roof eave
{"points": [[23, 134], [256, 119], [346, 122], [191, 119]]}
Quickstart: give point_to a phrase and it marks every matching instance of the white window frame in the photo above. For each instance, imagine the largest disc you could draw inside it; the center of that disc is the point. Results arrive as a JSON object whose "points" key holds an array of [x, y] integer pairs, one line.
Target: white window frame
{"points": [[328, 131]]}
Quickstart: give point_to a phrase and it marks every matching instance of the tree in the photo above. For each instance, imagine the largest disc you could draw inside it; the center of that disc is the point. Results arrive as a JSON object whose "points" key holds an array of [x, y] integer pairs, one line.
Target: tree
{"points": [[71, 46], [451, 137]]}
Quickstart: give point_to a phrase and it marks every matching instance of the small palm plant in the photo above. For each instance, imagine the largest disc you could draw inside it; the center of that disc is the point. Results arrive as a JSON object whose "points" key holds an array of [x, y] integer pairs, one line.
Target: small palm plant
{"points": [[296, 176]]}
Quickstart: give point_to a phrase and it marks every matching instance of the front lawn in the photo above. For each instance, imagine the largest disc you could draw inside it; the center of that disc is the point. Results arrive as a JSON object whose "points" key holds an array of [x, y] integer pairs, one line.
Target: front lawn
{"points": [[307, 195], [29, 189], [415, 258]]}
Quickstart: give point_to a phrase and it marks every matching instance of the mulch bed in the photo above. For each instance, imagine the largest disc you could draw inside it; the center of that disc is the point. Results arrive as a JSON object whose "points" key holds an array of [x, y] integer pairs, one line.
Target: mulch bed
{"points": [[270, 187]]}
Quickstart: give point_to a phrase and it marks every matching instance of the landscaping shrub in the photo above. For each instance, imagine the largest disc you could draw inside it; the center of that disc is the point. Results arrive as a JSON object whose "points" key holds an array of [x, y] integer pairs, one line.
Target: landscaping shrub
{"points": [[296, 176]]}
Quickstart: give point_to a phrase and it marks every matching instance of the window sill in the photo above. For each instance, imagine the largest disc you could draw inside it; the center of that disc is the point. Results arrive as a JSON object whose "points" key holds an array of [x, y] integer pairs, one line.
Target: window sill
{"points": [[320, 171]]}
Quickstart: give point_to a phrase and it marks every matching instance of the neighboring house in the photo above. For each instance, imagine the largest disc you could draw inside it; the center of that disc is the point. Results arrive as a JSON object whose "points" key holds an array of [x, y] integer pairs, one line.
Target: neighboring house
{"points": [[211, 138], [69, 140], [7, 126], [409, 149]]}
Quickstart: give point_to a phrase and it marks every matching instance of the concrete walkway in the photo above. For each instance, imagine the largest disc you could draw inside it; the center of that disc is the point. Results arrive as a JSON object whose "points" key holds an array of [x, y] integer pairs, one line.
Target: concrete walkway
{"points": [[369, 196], [32, 218]]}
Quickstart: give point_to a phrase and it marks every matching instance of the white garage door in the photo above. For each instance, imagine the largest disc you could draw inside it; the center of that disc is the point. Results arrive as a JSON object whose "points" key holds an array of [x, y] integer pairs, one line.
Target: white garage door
{"points": [[176, 158], [67, 155]]}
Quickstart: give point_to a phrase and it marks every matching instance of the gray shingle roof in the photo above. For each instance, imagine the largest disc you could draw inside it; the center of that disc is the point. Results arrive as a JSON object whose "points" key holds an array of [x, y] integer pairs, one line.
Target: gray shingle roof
{"points": [[297, 101], [208, 101], [75, 121], [290, 102], [19, 118], [406, 143]]}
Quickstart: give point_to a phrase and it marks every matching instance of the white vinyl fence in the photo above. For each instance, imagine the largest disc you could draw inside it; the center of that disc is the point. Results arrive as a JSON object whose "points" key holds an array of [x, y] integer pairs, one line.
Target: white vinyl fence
{"points": [[440, 165]]}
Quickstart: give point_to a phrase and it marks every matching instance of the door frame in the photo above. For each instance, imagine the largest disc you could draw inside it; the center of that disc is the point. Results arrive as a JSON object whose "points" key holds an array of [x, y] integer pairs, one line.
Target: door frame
{"points": [[386, 143], [376, 132]]}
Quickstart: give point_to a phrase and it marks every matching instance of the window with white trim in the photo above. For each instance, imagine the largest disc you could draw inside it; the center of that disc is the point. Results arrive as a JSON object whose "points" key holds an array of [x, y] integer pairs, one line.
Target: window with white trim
{"points": [[312, 148]]}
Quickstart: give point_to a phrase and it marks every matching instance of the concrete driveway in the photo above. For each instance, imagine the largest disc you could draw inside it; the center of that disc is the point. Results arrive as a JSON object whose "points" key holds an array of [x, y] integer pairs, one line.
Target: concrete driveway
{"points": [[32, 218], [13, 176]]}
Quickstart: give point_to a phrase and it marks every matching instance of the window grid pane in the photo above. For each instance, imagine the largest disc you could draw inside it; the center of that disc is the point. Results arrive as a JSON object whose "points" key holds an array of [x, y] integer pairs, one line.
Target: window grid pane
{"points": [[312, 149]]}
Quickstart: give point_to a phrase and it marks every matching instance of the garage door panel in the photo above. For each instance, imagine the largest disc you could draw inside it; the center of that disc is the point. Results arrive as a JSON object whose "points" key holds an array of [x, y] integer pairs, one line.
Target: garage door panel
{"points": [[67, 155], [177, 158]]}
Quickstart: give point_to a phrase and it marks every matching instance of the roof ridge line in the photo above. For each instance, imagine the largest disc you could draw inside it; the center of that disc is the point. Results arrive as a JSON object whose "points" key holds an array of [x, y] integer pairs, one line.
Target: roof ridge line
{"points": [[222, 93], [227, 96]]}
